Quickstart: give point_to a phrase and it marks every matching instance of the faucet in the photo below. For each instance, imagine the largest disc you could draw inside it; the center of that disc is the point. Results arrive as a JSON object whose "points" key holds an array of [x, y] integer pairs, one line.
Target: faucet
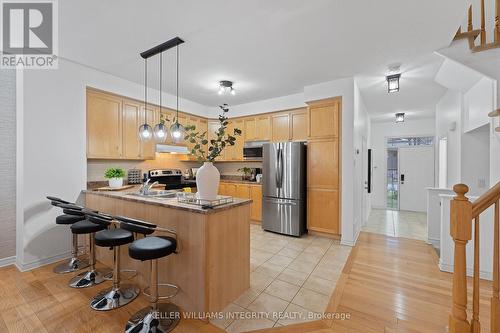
{"points": [[150, 186], [143, 189]]}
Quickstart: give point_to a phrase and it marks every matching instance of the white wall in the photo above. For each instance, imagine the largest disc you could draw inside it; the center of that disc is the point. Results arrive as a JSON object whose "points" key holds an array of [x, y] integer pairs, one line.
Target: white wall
{"points": [[478, 102], [51, 116], [380, 131], [7, 166], [475, 162]]}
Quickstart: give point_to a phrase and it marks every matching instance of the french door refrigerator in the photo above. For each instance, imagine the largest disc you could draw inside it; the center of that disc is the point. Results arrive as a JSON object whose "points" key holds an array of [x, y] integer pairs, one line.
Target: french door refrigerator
{"points": [[284, 188]]}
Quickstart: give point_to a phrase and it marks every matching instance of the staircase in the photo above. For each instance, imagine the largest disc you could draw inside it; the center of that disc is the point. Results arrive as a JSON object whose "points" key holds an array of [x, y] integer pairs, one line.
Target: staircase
{"points": [[464, 216], [472, 34]]}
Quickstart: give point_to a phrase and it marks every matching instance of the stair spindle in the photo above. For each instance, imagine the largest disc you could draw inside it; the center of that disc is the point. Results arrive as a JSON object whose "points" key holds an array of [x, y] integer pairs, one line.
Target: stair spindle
{"points": [[497, 21], [495, 299], [461, 232], [483, 24], [475, 325], [469, 20]]}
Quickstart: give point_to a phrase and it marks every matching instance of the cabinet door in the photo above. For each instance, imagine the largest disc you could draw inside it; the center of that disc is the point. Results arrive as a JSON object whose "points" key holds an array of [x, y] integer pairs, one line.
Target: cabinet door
{"points": [[229, 150], [168, 117], [263, 128], [324, 119], [299, 125], [323, 164], [323, 211], [222, 189], [249, 129], [280, 127], [203, 127], [238, 147], [104, 126], [191, 121], [213, 127], [151, 117], [131, 122], [243, 191], [231, 190], [256, 196]]}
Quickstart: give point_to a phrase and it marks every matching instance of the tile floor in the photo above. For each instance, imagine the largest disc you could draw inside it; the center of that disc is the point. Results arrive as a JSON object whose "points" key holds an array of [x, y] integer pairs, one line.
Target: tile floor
{"points": [[291, 281], [397, 223]]}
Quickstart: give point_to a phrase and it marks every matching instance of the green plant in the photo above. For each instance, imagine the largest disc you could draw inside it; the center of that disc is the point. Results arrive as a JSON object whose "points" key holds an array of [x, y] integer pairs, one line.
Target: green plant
{"points": [[216, 146], [246, 171], [114, 173]]}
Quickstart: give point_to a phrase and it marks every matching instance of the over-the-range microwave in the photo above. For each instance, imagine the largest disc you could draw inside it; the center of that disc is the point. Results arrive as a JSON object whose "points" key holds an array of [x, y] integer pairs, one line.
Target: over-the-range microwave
{"points": [[252, 150]]}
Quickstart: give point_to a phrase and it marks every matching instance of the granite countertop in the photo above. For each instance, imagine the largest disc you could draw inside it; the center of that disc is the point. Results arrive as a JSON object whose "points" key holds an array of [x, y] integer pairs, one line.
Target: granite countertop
{"points": [[166, 202]]}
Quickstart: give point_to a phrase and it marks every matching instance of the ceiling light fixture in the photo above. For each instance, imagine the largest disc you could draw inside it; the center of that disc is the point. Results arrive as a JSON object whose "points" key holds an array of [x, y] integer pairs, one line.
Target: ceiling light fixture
{"points": [[160, 132], [400, 117], [393, 83], [145, 131], [226, 87]]}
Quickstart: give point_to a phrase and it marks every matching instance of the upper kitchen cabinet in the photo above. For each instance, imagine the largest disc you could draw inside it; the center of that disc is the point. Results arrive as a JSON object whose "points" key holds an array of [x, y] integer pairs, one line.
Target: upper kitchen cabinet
{"points": [[280, 127], [249, 129], [238, 147], [324, 118], [132, 118], [263, 127], [213, 127], [104, 125], [299, 122]]}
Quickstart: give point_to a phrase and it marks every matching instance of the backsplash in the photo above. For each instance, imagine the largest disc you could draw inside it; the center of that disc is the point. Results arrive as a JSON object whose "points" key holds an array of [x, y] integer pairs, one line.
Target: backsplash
{"points": [[96, 168]]}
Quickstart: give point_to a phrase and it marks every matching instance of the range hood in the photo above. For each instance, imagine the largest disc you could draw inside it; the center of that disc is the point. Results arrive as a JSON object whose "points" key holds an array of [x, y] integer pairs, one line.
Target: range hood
{"points": [[163, 148]]}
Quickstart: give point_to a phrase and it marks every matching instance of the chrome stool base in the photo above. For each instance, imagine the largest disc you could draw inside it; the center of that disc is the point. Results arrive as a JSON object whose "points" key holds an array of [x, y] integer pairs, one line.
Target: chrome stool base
{"points": [[71, 265], [163, 319], [113, 298], [88, 278]]}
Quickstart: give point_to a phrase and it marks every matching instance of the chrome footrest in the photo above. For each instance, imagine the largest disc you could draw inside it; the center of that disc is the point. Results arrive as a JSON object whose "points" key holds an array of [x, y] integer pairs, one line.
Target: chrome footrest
{"points": [[133, 274], [175, 290]]}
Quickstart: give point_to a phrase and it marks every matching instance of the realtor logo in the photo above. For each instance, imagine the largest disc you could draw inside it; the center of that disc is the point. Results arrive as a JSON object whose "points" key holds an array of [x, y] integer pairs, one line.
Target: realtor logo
{"points": [[28, 34]]}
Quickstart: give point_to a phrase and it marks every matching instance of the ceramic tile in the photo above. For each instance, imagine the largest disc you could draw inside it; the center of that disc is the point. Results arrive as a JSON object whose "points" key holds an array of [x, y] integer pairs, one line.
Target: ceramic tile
{"points": [[302, 266], [260, 281], [247, 297], [294, 277], [245, 325], [282, 289], [295, 314], [270, 269], [227, 315], [268, 304], [311, 300], [319, 285], [288, 252], [280, 260]]}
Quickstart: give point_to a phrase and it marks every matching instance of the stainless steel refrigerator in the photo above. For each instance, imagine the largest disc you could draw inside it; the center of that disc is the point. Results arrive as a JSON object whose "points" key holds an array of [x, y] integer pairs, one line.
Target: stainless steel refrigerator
{"points": [[284, 188]]}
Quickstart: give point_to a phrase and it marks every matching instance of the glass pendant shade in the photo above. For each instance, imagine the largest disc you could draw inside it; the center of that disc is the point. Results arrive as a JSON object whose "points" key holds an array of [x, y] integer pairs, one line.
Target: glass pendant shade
{"points": [[177, 132], [160, 133], [145, 132]]}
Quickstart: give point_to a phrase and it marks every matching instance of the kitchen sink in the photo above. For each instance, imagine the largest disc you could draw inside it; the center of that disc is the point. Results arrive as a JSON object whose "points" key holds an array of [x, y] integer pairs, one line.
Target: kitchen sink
{"points": [[157, 194]]}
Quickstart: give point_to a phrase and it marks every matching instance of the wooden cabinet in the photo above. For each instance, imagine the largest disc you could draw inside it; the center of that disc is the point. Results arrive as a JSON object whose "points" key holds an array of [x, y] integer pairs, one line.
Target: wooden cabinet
{"points": [[323, 211], [263, 127], [213, 127], [323, 164], [280, 127], [243, 191], [256, 196], [324, 118], [249, 129], [299, 125], [131, 121], [238, 147]]}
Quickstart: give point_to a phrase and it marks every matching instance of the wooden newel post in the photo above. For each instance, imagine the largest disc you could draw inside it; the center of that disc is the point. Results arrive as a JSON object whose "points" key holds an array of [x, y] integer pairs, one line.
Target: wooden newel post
{"points": [[461, 232]]}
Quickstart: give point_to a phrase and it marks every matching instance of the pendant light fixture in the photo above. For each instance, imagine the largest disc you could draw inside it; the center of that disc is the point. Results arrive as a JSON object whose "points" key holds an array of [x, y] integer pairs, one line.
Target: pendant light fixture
{"points": [[145, 131], [160, 130], [177, 131]]}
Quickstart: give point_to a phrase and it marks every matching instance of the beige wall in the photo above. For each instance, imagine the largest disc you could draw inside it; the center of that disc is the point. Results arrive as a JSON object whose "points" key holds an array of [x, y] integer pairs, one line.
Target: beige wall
{"points": [[96, 168], [7, 163]]}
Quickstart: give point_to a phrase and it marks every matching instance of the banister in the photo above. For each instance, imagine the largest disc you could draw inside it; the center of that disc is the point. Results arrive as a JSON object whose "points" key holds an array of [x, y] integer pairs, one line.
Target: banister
{"points": [[486, 200]]}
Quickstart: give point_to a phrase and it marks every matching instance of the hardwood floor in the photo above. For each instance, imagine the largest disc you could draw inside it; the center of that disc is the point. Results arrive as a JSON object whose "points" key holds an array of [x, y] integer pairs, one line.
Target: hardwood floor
{"points": [[387, 285]]}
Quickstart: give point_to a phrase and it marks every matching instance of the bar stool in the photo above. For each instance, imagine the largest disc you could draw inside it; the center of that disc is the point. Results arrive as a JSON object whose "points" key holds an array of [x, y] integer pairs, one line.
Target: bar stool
{"points": [[119, 294], [68, 218], [157, 317], [92, 276]]}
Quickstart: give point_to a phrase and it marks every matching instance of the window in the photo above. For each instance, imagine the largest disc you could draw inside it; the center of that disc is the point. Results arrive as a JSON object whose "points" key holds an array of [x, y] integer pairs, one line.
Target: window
{"points": [[410, 141]]}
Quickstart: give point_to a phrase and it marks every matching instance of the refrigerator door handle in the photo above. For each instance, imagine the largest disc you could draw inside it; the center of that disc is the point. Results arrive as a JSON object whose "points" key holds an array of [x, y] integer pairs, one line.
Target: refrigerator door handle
{"points": [[279, 167], [282, 202]]}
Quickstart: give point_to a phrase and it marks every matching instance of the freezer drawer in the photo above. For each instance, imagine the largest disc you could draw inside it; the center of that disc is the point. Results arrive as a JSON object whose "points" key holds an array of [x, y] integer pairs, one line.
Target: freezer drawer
{"points": [[284, 216]]}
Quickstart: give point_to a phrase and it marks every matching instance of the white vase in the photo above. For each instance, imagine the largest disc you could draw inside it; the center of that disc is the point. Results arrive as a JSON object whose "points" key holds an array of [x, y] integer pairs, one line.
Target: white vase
{"points": [[115, 182], [207, 181]]}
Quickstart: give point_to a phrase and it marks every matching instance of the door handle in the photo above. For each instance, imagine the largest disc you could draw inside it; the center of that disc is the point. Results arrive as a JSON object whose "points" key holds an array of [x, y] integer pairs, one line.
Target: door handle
{"points": [[402, 178]]}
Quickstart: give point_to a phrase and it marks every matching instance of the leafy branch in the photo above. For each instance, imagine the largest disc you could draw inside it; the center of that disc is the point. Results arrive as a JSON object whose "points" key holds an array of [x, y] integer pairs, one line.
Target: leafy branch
{"points": [[217, 145]]}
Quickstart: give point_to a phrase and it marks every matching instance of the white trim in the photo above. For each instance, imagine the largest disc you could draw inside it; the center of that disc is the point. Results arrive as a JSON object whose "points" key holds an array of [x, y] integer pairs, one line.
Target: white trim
{"points": [[42, 262], [470, 272], [19, 166], [349, 242], [435, 242], [7, 261]]}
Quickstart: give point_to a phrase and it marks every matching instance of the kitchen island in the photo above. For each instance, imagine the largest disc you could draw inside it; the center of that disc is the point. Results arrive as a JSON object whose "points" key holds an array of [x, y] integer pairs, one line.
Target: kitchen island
{"points": [[212, 266]]}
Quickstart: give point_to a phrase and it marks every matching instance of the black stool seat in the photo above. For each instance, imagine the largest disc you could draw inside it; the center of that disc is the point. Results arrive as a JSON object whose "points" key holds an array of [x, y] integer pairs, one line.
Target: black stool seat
{"points": [[69, 219], [113, 237], [150, 248], [86, 227]]}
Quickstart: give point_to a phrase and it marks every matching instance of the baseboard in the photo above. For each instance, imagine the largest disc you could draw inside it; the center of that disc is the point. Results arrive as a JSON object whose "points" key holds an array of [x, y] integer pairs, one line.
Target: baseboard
{"points": [[42, 262], [7, 261], [470, 272], [434, 242]]}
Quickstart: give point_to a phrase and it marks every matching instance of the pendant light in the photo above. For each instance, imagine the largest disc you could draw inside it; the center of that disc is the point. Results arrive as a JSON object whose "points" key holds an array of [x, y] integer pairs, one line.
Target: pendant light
{"points": [[177, 131], [145, 131], [160, 130]]}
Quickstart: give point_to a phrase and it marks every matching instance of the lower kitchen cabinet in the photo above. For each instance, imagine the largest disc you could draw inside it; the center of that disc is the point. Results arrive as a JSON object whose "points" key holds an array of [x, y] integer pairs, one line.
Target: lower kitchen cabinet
{"points": [[323, 211], [245, 191]]}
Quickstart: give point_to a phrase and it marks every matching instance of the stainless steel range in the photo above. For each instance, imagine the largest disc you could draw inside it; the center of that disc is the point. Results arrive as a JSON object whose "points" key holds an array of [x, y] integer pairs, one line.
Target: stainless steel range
{"points": [[172, 178]]}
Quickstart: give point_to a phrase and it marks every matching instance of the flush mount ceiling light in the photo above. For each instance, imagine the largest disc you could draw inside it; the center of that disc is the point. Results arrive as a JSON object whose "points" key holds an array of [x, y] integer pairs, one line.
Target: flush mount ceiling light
{"points": [[160, 132], [400, 117], [226, 87], [393, 83]]}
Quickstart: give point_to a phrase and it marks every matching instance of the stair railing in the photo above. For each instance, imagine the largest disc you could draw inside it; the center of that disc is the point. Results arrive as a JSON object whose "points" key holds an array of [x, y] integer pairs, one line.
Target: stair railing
{"points": [[471, 34], [463, 214]]}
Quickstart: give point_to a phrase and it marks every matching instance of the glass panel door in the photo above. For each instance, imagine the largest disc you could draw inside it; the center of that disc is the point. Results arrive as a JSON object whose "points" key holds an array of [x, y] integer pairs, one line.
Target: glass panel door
{"points": [[392, 179]]}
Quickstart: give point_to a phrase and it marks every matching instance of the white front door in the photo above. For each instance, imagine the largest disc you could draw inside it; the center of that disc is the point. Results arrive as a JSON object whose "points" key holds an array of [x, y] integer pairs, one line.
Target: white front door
{"points": [[416, 173]]}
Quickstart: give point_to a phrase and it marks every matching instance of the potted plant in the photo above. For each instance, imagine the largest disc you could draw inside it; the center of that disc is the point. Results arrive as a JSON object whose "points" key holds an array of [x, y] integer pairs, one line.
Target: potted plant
{"points": [[208, 177], [247, 173], [115, 177]]}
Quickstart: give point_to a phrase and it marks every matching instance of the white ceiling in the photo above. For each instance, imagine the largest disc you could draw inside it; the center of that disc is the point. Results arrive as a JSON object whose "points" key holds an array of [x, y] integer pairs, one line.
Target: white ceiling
{"points": [[268, 48], [418, 92]]}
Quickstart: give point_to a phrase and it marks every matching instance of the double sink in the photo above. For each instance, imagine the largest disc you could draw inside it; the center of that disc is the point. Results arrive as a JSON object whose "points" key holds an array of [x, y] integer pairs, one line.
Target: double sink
{"points": [[161, 194]]}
